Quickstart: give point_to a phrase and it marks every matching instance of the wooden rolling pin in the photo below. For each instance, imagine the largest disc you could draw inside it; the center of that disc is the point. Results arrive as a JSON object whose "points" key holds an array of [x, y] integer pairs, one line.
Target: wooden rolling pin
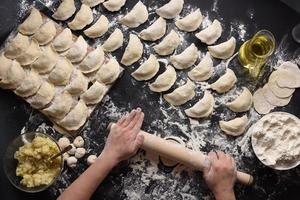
{"points": [[181, 154]]}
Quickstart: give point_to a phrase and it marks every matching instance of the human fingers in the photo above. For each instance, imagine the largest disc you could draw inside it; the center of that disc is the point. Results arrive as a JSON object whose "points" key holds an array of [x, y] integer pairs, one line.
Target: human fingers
{"points": [[137, 127], [206, 165], [129, 117], [221, 155], [212, 156], [138, 141], [121, 121], [233, 162], [135, 119]]}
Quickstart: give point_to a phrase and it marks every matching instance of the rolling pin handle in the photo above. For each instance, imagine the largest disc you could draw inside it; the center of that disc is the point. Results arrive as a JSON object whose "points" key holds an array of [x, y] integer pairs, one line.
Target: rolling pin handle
{"points": [[244, 178]]}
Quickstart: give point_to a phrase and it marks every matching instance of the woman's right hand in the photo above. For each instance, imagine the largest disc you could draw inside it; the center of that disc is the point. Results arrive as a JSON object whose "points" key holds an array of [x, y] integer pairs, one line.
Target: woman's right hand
{"points": [[220, 175]]}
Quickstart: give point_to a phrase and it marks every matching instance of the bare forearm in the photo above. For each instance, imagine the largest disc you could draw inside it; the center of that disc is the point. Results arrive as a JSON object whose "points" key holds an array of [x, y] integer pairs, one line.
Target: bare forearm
{"points": [[84, 186]]}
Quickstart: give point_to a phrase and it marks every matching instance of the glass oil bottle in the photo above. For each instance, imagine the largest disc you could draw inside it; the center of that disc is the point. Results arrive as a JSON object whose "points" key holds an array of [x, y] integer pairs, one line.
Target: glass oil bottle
{"points": [[254, 53]]}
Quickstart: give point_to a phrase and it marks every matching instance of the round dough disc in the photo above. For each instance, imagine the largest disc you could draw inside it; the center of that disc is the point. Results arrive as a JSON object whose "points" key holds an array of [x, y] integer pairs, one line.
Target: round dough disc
{"points": [[273, 99], [286, 78], [261, 105], [278, 91]]}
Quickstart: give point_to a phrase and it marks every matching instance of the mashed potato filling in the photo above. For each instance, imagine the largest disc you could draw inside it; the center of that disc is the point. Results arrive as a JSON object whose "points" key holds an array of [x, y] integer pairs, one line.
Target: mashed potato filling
{"points": [[34, 165]]}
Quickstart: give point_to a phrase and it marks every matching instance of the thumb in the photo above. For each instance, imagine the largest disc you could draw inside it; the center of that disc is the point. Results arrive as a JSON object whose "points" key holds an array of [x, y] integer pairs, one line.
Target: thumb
{"points": [[138, 141], [206, 165]]}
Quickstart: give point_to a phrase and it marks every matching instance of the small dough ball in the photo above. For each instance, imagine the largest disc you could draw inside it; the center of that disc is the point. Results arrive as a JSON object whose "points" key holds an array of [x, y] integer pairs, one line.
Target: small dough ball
{"points": [[80, 152], [73, 150], [91, 159], [63, 142], [72, 161], [66, 156], [78, 141]]}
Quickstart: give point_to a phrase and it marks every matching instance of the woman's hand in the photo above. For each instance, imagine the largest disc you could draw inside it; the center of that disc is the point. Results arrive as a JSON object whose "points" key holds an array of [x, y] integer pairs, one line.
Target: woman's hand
{"points": [[124, 139], [220, 175]]}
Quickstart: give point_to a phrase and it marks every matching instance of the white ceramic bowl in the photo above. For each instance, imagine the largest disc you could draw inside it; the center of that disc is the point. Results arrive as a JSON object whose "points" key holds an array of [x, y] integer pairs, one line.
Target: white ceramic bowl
{"points": [[292, 165]]}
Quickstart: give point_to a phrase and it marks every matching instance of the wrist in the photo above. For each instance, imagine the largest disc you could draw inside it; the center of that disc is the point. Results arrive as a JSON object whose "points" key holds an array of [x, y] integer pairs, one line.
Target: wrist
{"points": [[224, 194], [109, 158]]}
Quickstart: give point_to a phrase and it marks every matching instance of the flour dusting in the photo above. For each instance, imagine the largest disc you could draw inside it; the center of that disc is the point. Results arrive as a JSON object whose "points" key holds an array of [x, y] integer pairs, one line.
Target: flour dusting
{"points": [[24, 5], [144, 176]]}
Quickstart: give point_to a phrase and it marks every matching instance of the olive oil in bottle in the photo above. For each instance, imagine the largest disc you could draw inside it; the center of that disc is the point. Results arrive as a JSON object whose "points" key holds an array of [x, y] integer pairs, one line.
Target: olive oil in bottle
{"points": [[254, 53]]}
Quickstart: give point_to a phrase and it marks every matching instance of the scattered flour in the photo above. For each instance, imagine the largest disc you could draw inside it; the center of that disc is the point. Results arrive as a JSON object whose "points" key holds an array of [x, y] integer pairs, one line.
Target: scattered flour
{"points": [[24, 5], [215, 7], [206, 20], [147, 179]]}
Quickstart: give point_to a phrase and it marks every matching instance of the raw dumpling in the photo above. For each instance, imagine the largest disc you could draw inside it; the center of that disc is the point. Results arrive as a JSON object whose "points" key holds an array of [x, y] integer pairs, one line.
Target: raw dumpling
{"points": [[109, 72], [46, 33], [79, 83], [17, 46], [5, 65], [225, 82], [224, 50], [43, 97], [30, 85], [31, 54], [62, 72], [147, 70], [234, 127], [182, 94], [93, 61], [94, 94], [203, 70], [78, 51], [60, 106], [76, 117], [114, 5], [171, 9], [97, 29], [156, 31], [114, 41], [32, 23], [63, 41], [164, 81], [133, 51], [210, 34], [168, 44], [92, 3], [82, 18], [46, 62], [185, 59], [65, 10], [203, 108], [190, 22], [137, 16], [242, 103], [13, 77]]}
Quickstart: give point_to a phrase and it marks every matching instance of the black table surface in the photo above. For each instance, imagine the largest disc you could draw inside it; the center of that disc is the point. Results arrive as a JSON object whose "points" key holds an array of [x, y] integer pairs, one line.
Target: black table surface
{"points": [[267, 14]]}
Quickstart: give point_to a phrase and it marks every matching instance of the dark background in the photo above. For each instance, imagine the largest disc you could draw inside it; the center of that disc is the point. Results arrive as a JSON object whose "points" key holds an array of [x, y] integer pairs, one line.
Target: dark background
{"points": [[268, 14]]}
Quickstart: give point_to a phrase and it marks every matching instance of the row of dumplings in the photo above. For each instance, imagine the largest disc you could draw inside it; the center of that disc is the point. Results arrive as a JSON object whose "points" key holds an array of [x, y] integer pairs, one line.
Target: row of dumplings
{"points": [[137, 16], [202, 72], [60, 77], [205, 106], [157, 30]]}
